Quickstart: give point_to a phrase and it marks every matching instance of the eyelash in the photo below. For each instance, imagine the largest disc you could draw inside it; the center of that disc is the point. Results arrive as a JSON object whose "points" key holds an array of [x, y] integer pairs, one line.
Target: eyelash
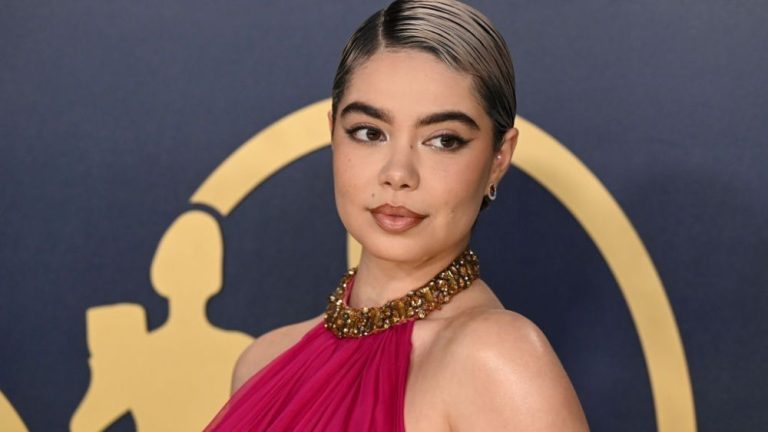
{"points": [[458, 141], [354, 130]]}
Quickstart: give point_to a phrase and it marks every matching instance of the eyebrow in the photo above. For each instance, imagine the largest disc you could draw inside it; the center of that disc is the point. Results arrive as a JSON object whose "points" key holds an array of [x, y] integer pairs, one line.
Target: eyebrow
{"points": [[368, 110], [449, 116], [385, 116]]}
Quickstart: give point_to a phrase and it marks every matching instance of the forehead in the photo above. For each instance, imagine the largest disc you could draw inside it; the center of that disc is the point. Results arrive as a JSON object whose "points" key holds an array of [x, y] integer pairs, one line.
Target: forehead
{"points": [[411, 83]]}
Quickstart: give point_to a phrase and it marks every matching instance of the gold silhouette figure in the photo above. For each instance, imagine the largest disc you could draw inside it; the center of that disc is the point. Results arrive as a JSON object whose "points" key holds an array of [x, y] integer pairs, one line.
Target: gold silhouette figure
{"points": [[175, 377], [10, 421]]}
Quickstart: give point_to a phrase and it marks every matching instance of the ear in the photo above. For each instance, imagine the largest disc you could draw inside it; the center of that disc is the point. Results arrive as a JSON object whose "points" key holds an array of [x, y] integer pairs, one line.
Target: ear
{"points": [[503, 157], [330, 121]]}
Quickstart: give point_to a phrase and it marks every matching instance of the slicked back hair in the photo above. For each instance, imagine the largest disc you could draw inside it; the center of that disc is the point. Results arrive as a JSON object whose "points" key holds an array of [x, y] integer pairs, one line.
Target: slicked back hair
{"points": [[458, 35]]}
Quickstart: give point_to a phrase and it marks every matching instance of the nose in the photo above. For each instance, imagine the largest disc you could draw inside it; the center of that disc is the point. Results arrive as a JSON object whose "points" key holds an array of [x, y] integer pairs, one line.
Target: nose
{"points": [[400, 171]]}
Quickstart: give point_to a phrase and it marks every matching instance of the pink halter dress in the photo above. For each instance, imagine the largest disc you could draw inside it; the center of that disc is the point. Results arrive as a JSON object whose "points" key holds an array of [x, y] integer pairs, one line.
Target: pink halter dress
{"points": [[323, 383]]}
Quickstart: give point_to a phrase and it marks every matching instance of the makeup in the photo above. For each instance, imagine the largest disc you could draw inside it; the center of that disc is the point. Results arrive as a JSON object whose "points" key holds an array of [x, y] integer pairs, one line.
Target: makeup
{"points": [[396, 219]]}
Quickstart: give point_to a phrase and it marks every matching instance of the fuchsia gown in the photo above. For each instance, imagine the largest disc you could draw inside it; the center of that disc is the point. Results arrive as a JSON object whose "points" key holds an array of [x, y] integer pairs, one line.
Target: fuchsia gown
{"points": [[326, 384]]}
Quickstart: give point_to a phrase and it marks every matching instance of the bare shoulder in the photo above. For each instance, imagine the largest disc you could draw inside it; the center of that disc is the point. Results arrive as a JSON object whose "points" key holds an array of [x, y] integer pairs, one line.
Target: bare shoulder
{"points": [[496, 331], [267, 347], [507, 376]]}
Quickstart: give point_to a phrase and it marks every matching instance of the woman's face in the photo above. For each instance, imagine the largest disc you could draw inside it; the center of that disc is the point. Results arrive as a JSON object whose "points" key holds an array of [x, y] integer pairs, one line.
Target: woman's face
{"points": [[412, 156]]}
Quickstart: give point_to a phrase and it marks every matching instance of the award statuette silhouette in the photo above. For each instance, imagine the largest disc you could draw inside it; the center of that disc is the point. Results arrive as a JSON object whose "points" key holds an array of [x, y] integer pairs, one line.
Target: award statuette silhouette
{"points": [[9, 418], [175, 377]]}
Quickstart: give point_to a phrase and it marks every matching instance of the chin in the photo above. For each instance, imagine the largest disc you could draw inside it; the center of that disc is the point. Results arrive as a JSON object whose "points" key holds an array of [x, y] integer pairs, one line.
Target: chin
{"points": [[406, 248], [397, 249]]}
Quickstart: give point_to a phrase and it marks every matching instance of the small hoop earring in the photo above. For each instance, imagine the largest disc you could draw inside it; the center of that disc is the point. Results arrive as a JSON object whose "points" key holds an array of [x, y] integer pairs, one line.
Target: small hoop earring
{"points": [[492, 193]]}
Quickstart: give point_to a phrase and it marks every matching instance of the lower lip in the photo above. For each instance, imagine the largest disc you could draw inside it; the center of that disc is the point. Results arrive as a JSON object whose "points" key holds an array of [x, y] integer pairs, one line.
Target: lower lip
{"points": [[395, 224]]}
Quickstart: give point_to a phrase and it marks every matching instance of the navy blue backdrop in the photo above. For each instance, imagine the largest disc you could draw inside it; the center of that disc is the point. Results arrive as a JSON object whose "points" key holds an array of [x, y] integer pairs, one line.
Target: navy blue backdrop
{"points": [[113, 113]]}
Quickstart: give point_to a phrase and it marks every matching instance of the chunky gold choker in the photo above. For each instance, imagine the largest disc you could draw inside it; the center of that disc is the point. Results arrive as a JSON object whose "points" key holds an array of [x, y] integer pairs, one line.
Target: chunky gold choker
{"points": [[347, 322]]}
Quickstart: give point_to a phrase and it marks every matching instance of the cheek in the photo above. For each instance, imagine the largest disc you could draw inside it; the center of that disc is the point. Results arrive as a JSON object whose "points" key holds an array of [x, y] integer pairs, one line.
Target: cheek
{"points": [[461, 186], [342, 161], [341, 166], [354, 163], [463, 204], [347, 176], [341, 187], [459, 203]]}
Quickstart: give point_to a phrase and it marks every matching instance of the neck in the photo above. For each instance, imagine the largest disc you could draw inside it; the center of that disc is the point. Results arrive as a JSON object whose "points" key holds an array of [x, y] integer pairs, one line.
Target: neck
{"points": [[182, 314], [379, 280]]}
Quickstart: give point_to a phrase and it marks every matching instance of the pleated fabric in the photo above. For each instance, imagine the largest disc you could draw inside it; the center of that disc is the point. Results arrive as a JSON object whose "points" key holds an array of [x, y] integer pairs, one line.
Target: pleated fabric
{"points": [[327, 384]]}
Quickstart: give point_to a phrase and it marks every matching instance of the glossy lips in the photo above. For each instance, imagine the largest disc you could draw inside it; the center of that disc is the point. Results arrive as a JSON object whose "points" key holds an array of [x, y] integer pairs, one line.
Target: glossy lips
{"points": [[396, 219]]}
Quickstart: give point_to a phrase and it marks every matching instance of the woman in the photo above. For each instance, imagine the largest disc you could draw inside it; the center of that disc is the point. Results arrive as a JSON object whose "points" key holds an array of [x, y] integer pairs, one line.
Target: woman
{"points": [[422, 127]]}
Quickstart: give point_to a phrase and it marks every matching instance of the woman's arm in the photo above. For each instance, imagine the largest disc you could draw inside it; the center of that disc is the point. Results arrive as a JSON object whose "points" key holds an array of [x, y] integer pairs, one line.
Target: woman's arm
{"points": [[266, 348]]}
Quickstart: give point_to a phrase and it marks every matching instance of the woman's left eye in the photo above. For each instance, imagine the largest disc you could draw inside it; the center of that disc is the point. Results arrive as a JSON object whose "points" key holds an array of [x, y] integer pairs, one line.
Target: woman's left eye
{"points": [[446, 142]]}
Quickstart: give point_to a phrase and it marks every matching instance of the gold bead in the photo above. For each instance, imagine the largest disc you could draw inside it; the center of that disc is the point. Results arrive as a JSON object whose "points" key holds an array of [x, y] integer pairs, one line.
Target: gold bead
{"points": [[345, 321]]}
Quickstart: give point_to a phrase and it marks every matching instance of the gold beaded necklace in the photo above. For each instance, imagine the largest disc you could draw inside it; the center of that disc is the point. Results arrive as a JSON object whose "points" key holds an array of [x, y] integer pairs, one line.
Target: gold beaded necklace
{"points": [[347, 322]]}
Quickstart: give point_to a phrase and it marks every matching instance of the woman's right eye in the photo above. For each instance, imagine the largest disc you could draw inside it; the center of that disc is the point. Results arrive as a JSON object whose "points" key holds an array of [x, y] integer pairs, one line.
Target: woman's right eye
{"points": [[366, 134]]}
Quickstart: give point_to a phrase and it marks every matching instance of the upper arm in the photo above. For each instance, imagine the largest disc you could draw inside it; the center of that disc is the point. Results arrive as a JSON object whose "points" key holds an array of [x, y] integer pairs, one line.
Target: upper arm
{"points": [[266, 348], [509, 378], [246, 365]]}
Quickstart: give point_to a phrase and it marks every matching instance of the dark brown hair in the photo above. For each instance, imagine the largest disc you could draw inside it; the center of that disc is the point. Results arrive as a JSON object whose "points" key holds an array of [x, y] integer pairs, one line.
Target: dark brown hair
{"points": [[455, 33]]}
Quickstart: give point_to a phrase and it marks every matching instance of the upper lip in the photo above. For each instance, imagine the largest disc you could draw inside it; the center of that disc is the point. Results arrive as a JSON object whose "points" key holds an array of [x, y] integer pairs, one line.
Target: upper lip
{"points": [[392, 210]]}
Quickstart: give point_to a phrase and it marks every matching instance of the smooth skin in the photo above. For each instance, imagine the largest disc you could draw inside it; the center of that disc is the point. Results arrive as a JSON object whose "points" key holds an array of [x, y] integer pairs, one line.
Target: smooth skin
{"points": [[410, 131]]}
